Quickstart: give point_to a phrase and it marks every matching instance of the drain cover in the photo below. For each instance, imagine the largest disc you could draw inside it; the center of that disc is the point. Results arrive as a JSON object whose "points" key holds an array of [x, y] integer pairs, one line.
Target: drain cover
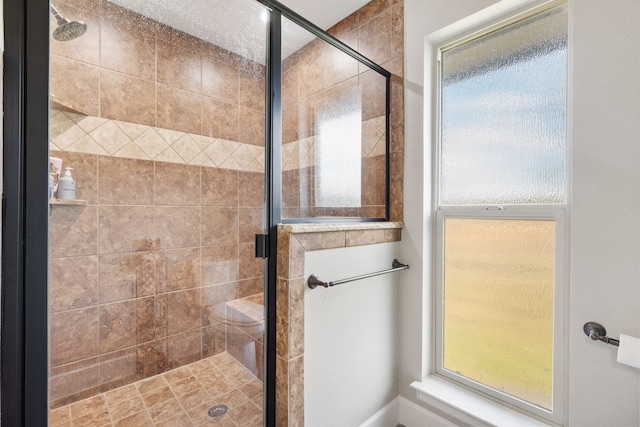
{"points": [[218, 411]]}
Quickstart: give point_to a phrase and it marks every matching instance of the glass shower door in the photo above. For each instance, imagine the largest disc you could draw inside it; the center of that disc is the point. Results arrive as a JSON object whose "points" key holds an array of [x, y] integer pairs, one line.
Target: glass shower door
{"points": [[156, 298]]}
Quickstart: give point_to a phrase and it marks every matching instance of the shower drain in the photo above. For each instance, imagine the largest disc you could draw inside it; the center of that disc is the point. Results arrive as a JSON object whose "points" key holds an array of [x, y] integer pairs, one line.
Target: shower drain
{"points": [[217, 411]]}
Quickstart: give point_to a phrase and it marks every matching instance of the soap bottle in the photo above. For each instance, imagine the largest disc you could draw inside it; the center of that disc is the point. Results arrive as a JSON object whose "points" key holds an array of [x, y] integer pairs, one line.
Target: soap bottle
{"points": [[67, 186]]}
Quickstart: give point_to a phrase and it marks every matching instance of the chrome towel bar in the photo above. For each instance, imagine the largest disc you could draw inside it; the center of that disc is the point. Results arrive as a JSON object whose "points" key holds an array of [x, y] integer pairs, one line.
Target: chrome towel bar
{"points": [[313, 281]]}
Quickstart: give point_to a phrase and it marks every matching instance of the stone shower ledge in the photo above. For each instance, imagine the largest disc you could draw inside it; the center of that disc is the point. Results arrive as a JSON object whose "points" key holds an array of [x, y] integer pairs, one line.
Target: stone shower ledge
{"points": [[328, 227]]}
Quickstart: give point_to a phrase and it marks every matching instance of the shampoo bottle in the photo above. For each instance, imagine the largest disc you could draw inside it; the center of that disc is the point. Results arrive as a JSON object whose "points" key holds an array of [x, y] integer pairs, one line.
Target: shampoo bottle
{"points": [[67, 186]]}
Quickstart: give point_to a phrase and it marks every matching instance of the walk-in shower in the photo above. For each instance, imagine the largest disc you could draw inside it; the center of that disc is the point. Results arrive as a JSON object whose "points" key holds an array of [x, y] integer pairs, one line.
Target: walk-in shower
{"points": [[156, 297]]}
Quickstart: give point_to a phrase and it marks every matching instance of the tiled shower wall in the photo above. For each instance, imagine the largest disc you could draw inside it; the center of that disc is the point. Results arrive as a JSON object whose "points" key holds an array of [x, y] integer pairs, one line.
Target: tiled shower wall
{"points": [[318, 77], [131, 68], [139, 276]]}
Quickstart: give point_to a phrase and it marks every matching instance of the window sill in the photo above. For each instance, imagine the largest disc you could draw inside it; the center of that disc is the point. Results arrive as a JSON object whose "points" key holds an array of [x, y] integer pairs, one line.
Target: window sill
{"points": [[466, 406]]}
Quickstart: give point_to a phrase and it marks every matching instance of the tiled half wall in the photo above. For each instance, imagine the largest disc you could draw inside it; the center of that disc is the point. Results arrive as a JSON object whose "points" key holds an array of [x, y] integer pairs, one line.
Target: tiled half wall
{"points": [[293, 242]]}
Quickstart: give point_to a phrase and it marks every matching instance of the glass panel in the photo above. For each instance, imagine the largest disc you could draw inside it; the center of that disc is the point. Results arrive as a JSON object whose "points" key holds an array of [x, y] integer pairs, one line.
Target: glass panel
{"points": [[498, 304], [153, 278], [334, 131], [503, 113]]}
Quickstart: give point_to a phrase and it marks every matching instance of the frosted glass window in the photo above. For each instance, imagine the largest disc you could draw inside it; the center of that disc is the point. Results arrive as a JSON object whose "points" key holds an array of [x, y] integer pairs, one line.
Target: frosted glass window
{"points": [[503, 115], [498, 304], [338, 152]]}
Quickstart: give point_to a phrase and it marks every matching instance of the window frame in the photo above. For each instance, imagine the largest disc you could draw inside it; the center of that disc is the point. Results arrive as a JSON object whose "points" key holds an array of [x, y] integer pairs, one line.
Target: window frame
{"points": [[543, 213], [455, 385]]}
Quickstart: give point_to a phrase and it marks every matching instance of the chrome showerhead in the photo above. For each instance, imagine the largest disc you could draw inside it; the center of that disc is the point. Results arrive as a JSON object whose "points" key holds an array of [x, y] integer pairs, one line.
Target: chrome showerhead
{"points": [[67, 30]]}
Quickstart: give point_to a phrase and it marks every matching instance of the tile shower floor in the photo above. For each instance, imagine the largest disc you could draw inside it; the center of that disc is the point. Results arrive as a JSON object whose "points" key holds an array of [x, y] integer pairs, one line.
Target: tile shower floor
{"points": [[181, 397]]}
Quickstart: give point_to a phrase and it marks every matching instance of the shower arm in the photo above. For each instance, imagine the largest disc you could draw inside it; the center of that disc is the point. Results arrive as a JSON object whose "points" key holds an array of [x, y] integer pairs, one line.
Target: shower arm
{"points": [[56, 14]]}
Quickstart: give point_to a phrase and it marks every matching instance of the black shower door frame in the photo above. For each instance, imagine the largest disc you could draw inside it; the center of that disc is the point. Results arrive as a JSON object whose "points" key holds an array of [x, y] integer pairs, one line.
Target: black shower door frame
{"points": [[25, 208]]}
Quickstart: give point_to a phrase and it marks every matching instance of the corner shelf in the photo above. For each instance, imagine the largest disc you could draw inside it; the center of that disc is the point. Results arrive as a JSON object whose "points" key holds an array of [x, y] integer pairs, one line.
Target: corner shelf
{"points": [[74, 202]]}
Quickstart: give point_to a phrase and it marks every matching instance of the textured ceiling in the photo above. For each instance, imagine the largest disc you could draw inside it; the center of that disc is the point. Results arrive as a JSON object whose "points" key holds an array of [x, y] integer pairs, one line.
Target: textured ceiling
{"points": [[240, 25]]}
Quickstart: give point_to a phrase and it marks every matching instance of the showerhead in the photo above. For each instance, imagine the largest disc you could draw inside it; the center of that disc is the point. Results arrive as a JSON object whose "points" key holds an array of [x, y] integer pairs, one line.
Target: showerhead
{"points": [[67, 30]]}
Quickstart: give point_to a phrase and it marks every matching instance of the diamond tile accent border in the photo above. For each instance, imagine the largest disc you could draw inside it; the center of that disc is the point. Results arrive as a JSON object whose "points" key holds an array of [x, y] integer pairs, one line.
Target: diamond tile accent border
{"points": [[95, 135]]}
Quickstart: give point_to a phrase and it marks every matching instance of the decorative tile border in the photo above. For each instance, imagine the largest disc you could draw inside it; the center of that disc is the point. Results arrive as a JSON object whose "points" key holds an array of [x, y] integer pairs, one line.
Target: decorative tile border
{"points": [[95, 135], [301, 154], [293, 241]]}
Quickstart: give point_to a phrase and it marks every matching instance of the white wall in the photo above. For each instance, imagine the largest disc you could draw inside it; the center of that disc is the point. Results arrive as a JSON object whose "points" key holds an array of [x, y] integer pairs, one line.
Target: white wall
{"points": [[605, 206], [605, 215], [350, 336]]}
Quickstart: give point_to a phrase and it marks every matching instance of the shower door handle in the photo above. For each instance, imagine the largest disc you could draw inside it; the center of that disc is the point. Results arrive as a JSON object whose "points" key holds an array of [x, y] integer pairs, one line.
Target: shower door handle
{"points": [[262, 246]]}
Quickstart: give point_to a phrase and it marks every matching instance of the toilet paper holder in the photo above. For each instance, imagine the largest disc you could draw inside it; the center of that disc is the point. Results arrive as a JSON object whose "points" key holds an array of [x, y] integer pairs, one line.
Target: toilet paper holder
{"points": [[597, 332]]}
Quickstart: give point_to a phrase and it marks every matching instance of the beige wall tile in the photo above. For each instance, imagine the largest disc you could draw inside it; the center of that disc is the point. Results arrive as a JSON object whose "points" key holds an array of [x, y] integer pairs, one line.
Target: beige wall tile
{"points": [[127, 98], [373, 181], [219, 119], [214, 298], [220, 74], [372, 86], [73, 283], [126, 50], [296, 317], [76, 84], [252, 223], [251, 126], [73, 231], [374, 38], [184, 348], [251, 189], [178, 269], [179, 109], [397, 30], [289, 87], [252, 85], [339, 65], [214, 342], [317, 241], [219, 187], [219, 264], [176, 184], [74, 381], [364, 237], [125, 181], [118, 368], [311, 76], [371, 10], [124, 228], [177, 226], [117, 325], [296, 391], [179, 60], [74, 335], [250, 265], [219, 225], [183, 311]]}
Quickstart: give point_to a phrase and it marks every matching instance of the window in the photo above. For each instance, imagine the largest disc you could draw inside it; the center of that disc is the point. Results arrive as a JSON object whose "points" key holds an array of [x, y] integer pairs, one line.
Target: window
{"points": [[500, 211]]}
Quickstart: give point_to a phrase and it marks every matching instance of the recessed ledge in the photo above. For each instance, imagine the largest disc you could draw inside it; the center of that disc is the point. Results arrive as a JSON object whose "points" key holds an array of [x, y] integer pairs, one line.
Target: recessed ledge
{"points": [[328, 227]]}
